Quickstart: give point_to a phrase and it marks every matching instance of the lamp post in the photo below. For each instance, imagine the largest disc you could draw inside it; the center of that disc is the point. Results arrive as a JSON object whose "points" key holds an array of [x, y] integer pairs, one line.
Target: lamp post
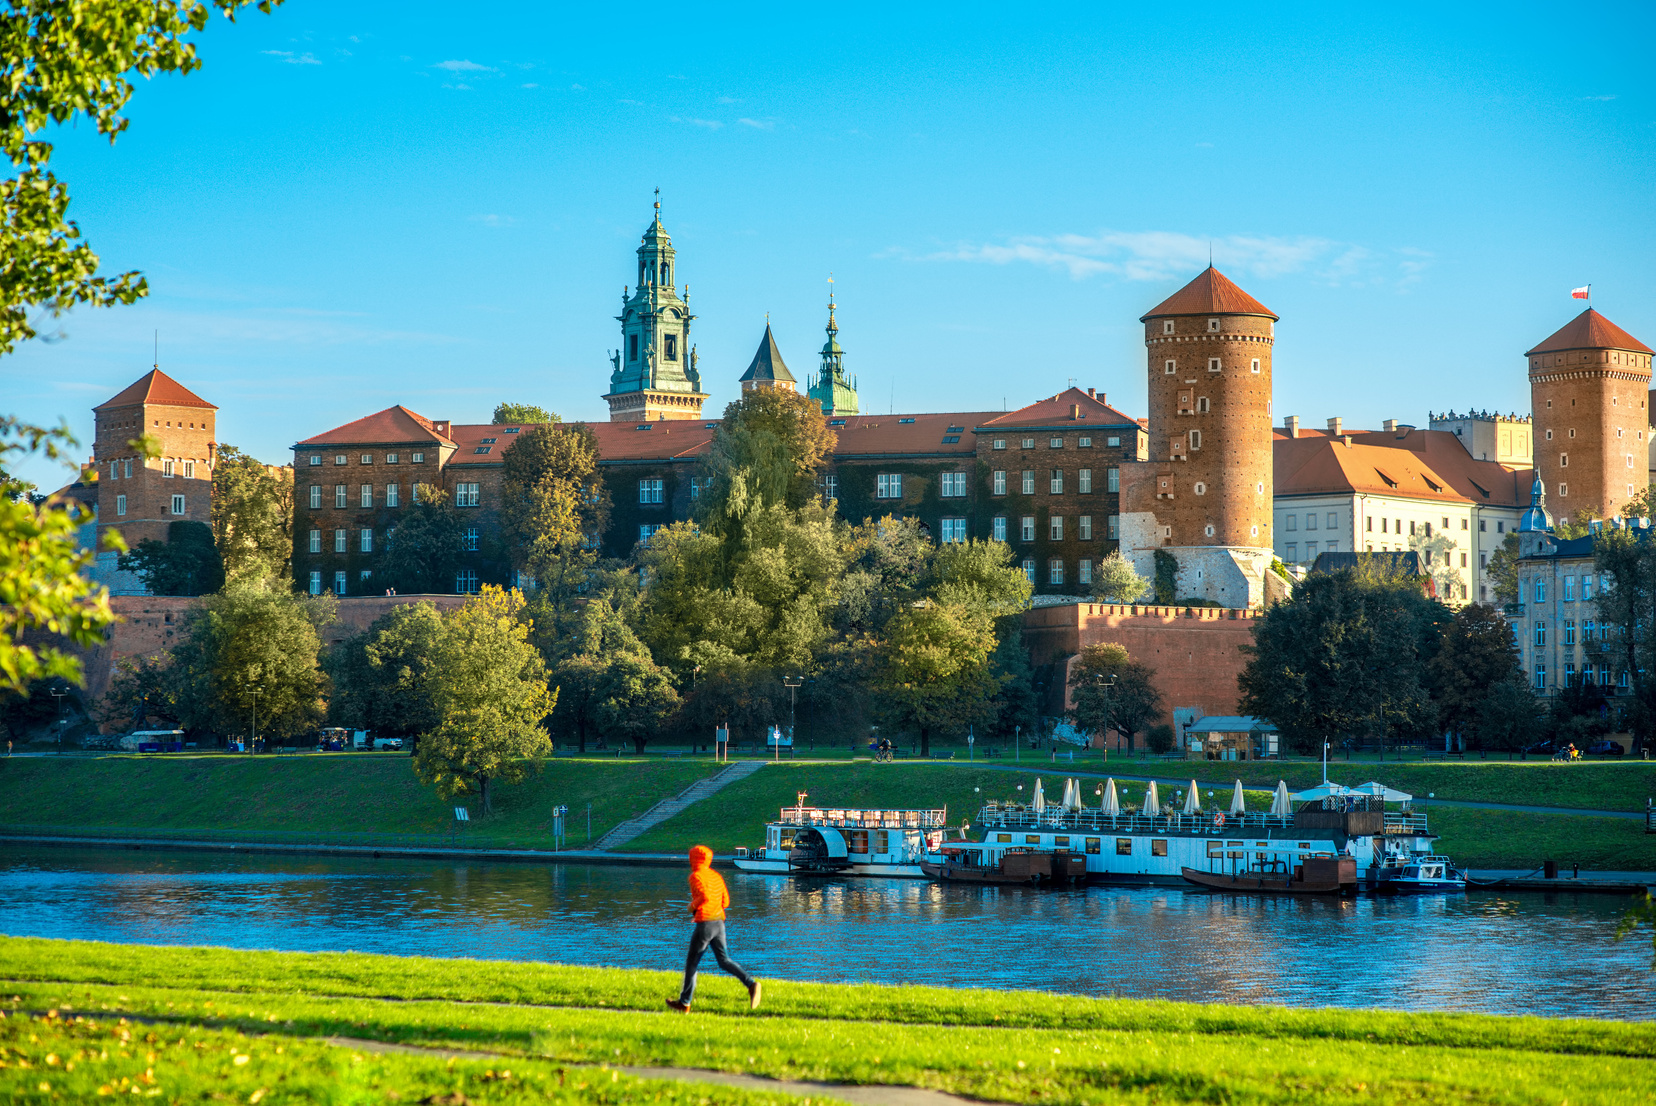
{"points": [[1106, 685], [792, 684], [58, 693], [254, 740], [1017, 745], [1325, 761]]}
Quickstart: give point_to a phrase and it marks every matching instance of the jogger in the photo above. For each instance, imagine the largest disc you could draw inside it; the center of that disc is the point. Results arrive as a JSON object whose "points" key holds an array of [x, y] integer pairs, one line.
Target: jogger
{"points": [[708, 898]]}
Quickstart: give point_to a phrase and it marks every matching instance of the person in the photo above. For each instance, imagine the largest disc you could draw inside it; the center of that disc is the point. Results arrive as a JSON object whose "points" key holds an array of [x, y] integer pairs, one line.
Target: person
{"points": [[708, 899]]}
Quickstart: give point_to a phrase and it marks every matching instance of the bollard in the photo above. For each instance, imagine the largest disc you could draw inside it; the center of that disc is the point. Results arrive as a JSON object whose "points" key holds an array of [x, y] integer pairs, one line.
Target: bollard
{"points": [[1549, 869]]}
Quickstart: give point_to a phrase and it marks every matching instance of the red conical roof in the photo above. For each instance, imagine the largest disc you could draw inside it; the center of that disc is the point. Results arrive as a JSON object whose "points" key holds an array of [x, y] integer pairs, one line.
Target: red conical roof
{"points": [[1211, 293], [1590, 330], [158, 388]]}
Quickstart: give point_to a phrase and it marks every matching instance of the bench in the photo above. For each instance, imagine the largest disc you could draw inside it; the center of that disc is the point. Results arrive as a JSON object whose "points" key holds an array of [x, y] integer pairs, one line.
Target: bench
{"points": [[947, 755]]}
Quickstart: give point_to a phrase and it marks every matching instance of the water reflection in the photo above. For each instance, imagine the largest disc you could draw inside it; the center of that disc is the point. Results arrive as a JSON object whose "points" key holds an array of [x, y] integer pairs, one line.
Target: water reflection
{"points": [[1520, 953]]}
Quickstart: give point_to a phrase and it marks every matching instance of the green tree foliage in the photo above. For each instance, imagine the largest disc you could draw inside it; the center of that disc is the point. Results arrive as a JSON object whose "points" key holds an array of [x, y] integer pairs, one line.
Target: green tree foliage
{"points": [[1503, 571], [1160, 738], [382, 677], [252, 516], [522, 414], [143, 692], [1509, 717], [610, 686], [933, 669], [1642, 505], [767, 451], [1476, 655], [887, 560], [1111, 691], [488, 686], [1437, 559], [1626, 561], [1115, 580], [252, 646], [187, 563], [1641, 913], [422, 554], [1167, 578], [1346, 657]]}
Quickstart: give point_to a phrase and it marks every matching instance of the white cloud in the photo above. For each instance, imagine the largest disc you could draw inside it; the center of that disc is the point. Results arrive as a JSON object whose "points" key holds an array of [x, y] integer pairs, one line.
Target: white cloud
{"points": [[765, 125], [463, 67], [710, 124], [290, 58], [531, 84], [1166, 255], [462, 87], [1598, 98]]}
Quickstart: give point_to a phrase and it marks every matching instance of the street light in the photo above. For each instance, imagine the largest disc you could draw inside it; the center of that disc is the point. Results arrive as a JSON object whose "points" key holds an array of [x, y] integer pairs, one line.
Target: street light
{"points": [[58, 693], [791, 683], [254, 741], [1106, 685]]}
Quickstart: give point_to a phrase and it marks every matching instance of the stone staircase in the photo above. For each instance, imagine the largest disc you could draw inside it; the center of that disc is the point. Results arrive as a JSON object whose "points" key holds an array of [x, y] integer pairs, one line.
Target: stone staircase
{"points": [[667, 808]]}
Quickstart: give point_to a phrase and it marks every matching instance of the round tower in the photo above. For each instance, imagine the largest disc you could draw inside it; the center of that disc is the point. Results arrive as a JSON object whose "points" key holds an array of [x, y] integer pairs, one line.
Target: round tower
{"points": [[1590, 391], [1210, 416]]}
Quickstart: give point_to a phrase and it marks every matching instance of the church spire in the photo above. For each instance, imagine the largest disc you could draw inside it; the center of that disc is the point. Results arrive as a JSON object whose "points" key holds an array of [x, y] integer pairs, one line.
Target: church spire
{"points": [[655, 373], [837, 395]]}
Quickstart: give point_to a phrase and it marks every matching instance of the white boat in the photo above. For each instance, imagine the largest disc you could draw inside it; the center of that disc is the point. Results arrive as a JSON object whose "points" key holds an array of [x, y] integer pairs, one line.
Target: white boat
{"points": [[810, 840], [1423, 875]]}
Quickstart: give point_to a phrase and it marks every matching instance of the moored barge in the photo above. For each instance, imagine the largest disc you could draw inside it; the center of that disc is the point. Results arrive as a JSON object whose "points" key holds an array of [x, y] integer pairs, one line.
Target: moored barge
{"points": [[827, 841]]}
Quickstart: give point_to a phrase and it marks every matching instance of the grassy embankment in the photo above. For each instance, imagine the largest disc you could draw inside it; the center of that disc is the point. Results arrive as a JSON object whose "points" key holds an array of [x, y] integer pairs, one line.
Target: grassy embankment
{"points": [[195, 1011], [342, 798]]}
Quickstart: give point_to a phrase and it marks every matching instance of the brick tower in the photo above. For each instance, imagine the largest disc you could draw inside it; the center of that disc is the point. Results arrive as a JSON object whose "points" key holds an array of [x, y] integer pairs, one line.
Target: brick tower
{"points": [[1204, 495], [1589, 389], [142, 498]]}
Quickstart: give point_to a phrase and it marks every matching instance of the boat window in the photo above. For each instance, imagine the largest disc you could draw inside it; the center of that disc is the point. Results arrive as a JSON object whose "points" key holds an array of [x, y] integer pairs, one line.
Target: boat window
{"points": [[1004, 837], [1262, 844], [859, 841], [1215, 850], [1032, 839], [1234, 844], [787, 840], [1305, 844], [1124, 846], [1158, 847], [1060, 842], [1093, 844], [1262, 857], [1236, 854]]}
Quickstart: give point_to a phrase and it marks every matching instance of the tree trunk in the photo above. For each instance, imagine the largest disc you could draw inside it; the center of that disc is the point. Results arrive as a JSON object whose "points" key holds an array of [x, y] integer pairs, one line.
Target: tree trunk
{"points": [[580, 728], [638, 745], [925, 741], [483, 790]]}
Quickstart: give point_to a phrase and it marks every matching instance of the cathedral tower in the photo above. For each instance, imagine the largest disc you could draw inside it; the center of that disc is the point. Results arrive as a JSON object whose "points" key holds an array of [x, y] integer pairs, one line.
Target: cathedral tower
{"points": [[1204, 495], [655, 374], [836, 393], [1589, 391]]}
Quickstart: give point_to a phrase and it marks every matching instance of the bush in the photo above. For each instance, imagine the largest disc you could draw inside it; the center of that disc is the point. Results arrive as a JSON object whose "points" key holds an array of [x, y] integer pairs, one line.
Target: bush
{"points": [[1161, 738]]}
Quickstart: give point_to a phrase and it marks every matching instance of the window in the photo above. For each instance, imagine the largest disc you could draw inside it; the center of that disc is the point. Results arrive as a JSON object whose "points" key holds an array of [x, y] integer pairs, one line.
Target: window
{"points": [[1055, 570], [1169, 367], [364, 576], [1569, 589], [1195, 439], [1563, 460], [1540, 633], [1026, 528], [1569, 631], [177, 504], [1057, 482], [417, 458], [1569, 674], [1293, 552], [1113, 527], [120, 505], [126, 469], [1293, 523], [1483, 561], [339, 458], [189, 470], [316, 496], [1500, 526], [997, 528], [1083, 442], [365, 542], [1255, 366], [316, 458], [1112, 480], [1029, 569], [1113, 441], [954, 485], [367, 458], [339, 582], [647, 530], [997, 482], [1055, 443], [1586, 589], [1333, 520], [1202, 405], [468, 539], [888, 485], [1540, 590], [830, 484], [1463, 560], [465, 495], [632, 347], [167, 468], [340, 493], [367, 496], [1055, 527], [316, 541], [999, 443], [954, 529], [1083, 571], [1029, 481], [1563, 490], [1124, 846], [671, 347], [1310, 550], [649, 491], [1083, 526], [316, 582], [1201, 488], [483, 449], [1083, 480], [1214, 364], [1029, 443], [465, 581], [392, 496], [1311, 522], [390, 458], [339, 541], [1167, 326], [1540, 675]]}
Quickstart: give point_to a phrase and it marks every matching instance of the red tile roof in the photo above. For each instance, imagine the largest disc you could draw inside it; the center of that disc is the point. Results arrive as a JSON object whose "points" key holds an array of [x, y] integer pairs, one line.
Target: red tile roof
{"points": [[156, 387], [394, 425], [1590, 330], [886, 435], [1422, 464], [1047, 412], [1211, 293]]}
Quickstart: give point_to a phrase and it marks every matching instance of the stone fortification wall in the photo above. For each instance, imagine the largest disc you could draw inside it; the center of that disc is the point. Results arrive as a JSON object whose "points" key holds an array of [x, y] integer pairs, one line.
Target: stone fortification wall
{"points": [[1589, 412]]}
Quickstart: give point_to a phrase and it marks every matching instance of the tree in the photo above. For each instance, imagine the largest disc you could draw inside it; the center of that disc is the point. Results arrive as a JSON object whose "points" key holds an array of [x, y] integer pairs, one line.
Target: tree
{"points": [[1345, 657], [187, 563], [767, 451], [251, 652], [252, 516], [143, 688], [1477, 654], [886, 564], [522, 414], [488, 687], [1627, 613], [1437, 557], [382, 677], [1508, 718], [1503, 571], [1642, 505], [423, 552], [612, 686], [933, 670], [1115, 580], [1110, 690]]}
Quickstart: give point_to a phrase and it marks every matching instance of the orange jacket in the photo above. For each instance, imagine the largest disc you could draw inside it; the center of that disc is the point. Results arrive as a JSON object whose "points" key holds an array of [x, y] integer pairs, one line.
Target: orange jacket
{"points": [[708, 894]]}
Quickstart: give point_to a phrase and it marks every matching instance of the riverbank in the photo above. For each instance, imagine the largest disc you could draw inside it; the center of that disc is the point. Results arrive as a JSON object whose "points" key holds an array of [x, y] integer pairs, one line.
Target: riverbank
{"points": [[280, 1009]]}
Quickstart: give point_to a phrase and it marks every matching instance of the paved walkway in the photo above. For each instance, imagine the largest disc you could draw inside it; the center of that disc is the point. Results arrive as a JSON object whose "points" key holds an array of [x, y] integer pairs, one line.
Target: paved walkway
{"points": [[667, 808]]}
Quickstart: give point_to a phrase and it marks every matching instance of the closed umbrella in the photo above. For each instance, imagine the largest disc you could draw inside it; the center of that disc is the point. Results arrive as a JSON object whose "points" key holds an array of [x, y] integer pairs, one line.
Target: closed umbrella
{"points": [[1280, 805], [1239, 805], [1069, 795], [1074, 789], [1152, 803], [1193, 799], [1112, 803], [1039, 802]]}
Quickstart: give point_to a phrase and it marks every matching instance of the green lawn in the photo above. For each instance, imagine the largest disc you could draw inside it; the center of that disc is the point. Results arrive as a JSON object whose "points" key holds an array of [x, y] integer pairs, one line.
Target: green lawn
{"points": [[550, 1025], [1512, 839], [322, 796]]}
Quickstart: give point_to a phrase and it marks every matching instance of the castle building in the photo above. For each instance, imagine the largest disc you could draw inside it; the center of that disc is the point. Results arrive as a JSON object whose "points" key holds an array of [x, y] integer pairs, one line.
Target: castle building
{"points": [[767, 369], [1589, 391], [831, 388], [1204, 495], [1489, 436], [654, 372]]}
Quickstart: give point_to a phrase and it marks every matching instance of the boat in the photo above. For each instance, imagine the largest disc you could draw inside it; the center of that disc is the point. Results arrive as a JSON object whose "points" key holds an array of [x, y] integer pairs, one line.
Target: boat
{"points": [[832, 841], [1431, 874], [1313, 875], [982, 862]]}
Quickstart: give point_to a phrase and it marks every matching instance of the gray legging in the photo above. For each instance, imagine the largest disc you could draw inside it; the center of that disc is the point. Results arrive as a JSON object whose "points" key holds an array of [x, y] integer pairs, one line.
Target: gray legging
{"points": [[709, 935]]}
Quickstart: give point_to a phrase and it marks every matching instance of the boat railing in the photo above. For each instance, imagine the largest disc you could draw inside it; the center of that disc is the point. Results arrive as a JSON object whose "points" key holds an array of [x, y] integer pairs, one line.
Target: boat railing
{"points": [[1405, 824], [864, 819], [1015, 816]]}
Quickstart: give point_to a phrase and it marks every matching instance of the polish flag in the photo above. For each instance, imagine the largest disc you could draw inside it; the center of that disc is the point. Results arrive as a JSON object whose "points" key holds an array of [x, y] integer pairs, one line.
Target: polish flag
{"points": [[1581, 293]]}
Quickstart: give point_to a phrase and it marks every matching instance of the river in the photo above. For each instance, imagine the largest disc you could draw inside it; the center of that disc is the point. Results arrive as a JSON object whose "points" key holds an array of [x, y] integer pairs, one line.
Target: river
{"points": [[1527, 953]]}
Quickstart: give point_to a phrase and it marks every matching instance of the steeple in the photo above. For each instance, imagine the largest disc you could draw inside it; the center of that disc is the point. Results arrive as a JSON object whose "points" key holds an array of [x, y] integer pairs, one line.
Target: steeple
{"points": [[830, 388], [767, 369], [1536, 519], [654, 373]]}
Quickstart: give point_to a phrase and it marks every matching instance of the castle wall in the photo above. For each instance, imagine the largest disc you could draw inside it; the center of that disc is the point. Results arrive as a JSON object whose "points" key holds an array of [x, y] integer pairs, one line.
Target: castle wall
{"points": [[1588, 414]]}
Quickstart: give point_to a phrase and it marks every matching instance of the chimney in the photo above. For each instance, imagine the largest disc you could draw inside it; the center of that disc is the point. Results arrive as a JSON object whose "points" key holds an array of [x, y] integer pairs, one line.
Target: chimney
{"points": [[1092, 392], [1075, 410], [1389, 424], [1334, 427], [1346, 438], [1291, 423]]}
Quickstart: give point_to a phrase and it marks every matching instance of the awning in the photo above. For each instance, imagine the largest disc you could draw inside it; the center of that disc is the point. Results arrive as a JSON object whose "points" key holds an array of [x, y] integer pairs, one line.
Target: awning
{"points": [[1381, 791]]}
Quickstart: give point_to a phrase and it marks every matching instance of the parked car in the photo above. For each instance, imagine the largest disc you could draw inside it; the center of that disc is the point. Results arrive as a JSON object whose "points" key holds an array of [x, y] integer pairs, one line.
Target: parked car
{"points": [[1604, 749], [1542, 749]]}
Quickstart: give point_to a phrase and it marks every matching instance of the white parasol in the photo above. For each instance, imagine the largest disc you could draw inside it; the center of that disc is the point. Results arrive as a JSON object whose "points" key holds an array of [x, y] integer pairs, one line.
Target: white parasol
{"points": [[1280, 806], [1380, 791], [1193, 799], [1152, 803], [1075, 802], [1239, 805], [1038, 804], [1112, 803]]}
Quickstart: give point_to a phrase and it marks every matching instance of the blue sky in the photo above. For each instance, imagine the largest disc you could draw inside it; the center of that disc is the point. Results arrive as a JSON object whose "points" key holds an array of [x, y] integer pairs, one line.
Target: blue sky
{"points": [[355, 204]]}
